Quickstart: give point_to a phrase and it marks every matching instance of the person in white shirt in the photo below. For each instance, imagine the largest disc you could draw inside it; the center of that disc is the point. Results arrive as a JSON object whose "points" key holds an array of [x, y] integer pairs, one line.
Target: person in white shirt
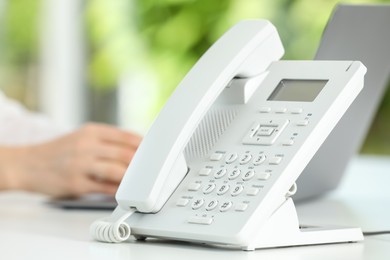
{"points": [[37, 156]]}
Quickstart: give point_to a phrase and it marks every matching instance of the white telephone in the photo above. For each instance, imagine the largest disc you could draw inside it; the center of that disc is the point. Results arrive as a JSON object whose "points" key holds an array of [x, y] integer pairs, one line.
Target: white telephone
{"points": [[220, 162]]}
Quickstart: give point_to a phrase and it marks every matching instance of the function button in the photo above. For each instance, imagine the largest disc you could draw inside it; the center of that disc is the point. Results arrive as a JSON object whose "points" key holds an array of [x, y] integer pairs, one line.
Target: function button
{"points": [[263, 176], [237, 190], [196, 204], [200, 220], [211, 205], [216, 156], [265, 131], [231, 157], [204, 172], [245, 158], [288, 142], [248, 175], [303, 123], [275, 160], [281, 110], [259, 159], [265, 109], [220, 173], [182, 202], [241, 207], [194, 186], [252, 137], [253, 129], [297, 110], [225, 206], [234, 174], [209, 188], [252, 191], [223, 189]]}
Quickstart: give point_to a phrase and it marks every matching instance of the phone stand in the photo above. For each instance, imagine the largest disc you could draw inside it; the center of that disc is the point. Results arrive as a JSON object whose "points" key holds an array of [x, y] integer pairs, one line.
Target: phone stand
{"points": [[283, 230]]}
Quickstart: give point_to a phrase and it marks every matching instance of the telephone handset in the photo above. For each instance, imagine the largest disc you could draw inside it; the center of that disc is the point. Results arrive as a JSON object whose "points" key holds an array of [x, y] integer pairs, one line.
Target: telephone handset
{"points": [[219, 163]]}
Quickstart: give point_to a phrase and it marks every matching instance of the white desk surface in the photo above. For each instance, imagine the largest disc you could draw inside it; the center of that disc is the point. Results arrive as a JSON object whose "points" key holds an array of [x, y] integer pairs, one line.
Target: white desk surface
{"points": [[29, 229]]}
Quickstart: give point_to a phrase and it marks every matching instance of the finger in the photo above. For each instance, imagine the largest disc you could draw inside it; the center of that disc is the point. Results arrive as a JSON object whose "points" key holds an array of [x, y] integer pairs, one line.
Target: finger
{"points": [[116, 153], [107, 171], [113, 134]]}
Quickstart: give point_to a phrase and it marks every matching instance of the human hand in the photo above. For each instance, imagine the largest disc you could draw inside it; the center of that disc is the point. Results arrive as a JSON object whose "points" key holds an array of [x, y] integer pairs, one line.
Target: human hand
{"points": [[91, 159]]}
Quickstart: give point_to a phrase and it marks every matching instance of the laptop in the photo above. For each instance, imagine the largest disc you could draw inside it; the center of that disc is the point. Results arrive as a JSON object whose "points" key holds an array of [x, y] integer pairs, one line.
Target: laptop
{"points": [[354, 32]]}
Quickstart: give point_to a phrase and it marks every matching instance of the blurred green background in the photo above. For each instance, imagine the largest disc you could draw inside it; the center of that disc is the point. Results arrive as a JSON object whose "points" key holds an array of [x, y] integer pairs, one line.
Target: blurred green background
{"points": [[167, 37]]}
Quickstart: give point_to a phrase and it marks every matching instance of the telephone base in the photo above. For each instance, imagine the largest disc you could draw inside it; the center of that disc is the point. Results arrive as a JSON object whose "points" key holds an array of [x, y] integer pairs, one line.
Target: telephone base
{"points": [[283, 230]]}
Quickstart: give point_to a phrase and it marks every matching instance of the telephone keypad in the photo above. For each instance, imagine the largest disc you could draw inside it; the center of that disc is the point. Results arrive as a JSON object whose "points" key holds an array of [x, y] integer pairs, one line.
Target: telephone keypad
{"points": [[231, 182]]}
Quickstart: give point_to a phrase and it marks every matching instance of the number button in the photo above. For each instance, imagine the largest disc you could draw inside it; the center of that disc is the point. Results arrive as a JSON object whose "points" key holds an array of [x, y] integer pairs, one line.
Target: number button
{"points": [[226, 206], [231, 158], [209, 188], [223, 189], [220, 173], [212, 205], [234, 174], [245, 158], [259, 159], [237, 190], [248, 175], [196, 204]]}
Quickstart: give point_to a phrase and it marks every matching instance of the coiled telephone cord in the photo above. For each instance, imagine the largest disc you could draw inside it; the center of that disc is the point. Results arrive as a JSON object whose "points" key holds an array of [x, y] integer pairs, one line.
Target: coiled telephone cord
{"points": [[115, 231]]}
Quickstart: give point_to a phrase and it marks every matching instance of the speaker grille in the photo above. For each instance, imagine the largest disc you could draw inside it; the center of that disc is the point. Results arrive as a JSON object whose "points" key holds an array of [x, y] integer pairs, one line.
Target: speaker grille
{"points": [[208, 132]]}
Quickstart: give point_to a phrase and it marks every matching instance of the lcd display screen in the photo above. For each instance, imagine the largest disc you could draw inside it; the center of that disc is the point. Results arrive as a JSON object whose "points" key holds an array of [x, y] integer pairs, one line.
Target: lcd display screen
{"points": [[303, 90]]}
